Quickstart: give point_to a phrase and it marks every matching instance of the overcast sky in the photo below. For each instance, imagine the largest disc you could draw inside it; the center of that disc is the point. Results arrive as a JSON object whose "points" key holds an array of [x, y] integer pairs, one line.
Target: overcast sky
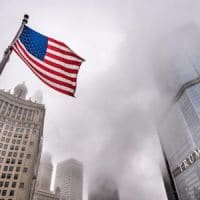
{"points": [[109, 126]]}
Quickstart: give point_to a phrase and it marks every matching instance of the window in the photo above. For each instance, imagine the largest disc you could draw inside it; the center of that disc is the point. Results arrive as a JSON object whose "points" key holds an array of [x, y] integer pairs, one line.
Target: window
{"points": [[14, 184], [8, 176], [21, 185], [7, 160], [7, 140], [19, 162], [13, 141], [10, 154], [3, 139], [11, 168], [16, 176], [17, 148], [23, 148], [18, 141], [9, 134], [5, 168], [20, 111], [1, 183], [21, 155], [12, 192], [3, 175], [25, 169], [12, 147], [3, 153], [5, 133], [1, 160], [13, 161], [5, 146], [4, 192], [6, 184], [17, 169], [26, 136], [31, 143], [15, 154], [6, 128], [1, 145]]}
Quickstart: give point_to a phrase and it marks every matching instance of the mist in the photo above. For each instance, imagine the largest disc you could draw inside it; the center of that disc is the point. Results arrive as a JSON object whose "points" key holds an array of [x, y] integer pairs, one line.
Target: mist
{"points": [[111, 124]]}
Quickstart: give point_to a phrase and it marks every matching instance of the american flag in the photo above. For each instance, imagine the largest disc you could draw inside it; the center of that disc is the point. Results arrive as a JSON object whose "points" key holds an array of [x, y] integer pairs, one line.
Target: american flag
{"points": [[51, 61]]}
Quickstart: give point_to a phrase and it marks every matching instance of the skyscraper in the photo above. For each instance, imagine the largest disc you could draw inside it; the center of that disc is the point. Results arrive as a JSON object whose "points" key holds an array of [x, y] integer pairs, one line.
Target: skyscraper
{"points": [[42, 191], [69, 178], [21, 132], [179, 128], [45, 172]]}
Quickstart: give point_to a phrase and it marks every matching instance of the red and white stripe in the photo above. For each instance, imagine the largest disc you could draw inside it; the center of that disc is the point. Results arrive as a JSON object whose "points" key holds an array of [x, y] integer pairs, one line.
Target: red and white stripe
{"points": [[60, 66]]}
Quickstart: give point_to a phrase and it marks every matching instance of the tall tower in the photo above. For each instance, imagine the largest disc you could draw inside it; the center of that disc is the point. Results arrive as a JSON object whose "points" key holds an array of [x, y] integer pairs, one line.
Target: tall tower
{"points": [[21, 132], [179, 127], [45, 172], [69, 178]]}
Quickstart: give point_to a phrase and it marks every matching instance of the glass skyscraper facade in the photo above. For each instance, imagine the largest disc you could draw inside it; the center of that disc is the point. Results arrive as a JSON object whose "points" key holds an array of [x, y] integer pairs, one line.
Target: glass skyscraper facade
{"points": [[179, 128]]}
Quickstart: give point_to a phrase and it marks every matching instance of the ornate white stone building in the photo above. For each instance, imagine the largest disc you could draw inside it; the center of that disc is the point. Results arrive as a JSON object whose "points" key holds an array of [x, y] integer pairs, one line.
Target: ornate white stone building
{"points": [[21, 133]]}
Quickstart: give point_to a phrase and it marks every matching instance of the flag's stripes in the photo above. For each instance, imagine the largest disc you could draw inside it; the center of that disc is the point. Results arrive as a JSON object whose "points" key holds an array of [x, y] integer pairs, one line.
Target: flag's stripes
{"points": [[50, 76], [61, 52], [62, 46], [68, 72], [70, 78], [62, 59], [44, 76], [57, 42], [50, 84], [45, 73], [59, 65]]}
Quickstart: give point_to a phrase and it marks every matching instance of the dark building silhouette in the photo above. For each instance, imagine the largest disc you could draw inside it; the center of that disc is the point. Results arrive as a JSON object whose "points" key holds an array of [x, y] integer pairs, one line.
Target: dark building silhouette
{"points": [[103, 189]]}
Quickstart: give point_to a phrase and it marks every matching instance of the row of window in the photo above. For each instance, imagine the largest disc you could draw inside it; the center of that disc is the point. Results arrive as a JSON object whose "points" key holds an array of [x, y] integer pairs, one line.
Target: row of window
{"points": [[13, 168], [4, 192], [14, 141], [15, 154], [8, 123], [15, 111], [12, 147], [13, 184]]}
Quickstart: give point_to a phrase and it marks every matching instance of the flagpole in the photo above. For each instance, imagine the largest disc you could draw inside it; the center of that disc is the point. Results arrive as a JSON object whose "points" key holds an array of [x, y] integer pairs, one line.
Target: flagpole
{"points": [[8, 51]]}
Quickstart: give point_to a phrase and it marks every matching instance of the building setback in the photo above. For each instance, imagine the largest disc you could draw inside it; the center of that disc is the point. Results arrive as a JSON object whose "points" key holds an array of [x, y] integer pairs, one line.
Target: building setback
{"points": [[69, 178], [21, 132], [179, 128], [45, 195]]}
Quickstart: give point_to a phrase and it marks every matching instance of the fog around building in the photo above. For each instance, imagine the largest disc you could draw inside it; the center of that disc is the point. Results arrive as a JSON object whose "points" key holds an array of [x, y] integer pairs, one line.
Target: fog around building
{"points": [[110, 125]]}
